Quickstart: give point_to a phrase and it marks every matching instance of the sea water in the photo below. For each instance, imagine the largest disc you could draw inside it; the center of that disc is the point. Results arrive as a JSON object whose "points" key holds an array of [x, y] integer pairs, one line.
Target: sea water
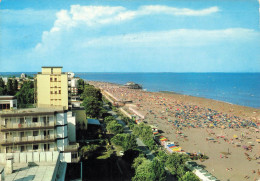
{"points": [[235, 88]]}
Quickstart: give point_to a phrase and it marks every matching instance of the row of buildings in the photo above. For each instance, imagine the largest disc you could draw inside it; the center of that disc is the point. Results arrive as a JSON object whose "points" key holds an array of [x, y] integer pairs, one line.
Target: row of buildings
{"points": [[50, 126]]}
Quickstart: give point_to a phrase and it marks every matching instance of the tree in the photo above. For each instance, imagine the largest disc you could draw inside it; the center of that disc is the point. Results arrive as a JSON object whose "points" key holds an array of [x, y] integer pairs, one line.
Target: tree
{"points": [[130, 142], [15, 86], [144, 132], [175, 161], [2, 91], [109, 119], [25, 95], [92, 106], [90, 90], [144, 172], [159, 170], [126, 141], [189, 176], [114, 127], [2, 83], [138, 161], [88, 150], [9, 87], [81, 85], [162, 156]]}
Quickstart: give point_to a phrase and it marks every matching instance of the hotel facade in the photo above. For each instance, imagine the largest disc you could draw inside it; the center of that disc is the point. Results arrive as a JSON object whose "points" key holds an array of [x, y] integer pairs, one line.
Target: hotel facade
{"points": [[52, 88], [48, 127]]}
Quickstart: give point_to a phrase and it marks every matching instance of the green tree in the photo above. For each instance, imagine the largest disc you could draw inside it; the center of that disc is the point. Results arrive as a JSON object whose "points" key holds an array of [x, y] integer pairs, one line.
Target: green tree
{"points": [[87, 151], [144, 132], [138, 161], [2, 83], [175, 161], [147, 170], [92, 106], [81, 85], [25, 95], [162, 156], [109, 119], [189, 176], [144, 172], [9, 87], [130, 142], [114, 127], [2, 91], [90, 90], [126, 141], [159, 170], [15, 86]]}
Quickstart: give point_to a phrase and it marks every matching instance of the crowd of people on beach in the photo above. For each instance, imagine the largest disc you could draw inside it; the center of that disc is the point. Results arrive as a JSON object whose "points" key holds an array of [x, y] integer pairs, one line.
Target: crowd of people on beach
{"points": [[176, 116], [180, 114]]}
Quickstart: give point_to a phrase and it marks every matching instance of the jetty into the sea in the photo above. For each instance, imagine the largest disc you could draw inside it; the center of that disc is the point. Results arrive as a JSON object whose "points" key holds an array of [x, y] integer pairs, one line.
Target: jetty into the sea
{"points": [[132, 85]]}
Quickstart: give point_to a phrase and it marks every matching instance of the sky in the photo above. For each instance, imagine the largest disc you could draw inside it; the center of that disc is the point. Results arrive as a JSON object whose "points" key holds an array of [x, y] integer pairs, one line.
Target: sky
{"points": [[130, 36]]}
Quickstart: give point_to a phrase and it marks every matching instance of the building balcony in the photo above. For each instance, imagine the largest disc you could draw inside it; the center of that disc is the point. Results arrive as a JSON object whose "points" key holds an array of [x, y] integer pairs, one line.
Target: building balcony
{"points": [[27, 140], [26, 126], [71, 148]]}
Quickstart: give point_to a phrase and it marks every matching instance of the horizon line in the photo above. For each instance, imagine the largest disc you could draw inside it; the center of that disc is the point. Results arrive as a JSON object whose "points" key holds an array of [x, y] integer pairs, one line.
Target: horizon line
{"points": [[128, 72]]}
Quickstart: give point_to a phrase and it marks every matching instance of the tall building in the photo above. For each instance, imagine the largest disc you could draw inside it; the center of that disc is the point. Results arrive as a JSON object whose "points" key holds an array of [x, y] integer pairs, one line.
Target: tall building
{"points": [[51, 88]]}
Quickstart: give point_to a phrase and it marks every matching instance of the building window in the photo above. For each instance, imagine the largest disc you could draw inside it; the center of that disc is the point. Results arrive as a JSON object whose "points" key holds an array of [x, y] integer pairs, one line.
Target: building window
{"points": [[22, 148], [51, 92], [51, 79], [59, 91], [35, 133], [55, 79], [14, 105], [35, 120], [35, 147], [55, 92]]}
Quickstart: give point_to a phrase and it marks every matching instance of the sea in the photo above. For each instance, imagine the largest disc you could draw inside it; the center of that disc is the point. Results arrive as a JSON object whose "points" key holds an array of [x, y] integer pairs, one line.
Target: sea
{"points": [[234, 88]]}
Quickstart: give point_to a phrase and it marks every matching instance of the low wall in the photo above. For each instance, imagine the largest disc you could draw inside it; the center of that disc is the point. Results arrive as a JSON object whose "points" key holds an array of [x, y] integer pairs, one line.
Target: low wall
{"points": [[26, 157], [125, 113]]}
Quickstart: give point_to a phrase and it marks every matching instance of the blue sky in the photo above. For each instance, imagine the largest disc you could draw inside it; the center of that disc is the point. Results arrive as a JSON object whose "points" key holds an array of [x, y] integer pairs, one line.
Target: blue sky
{"points": [[130, 36]]}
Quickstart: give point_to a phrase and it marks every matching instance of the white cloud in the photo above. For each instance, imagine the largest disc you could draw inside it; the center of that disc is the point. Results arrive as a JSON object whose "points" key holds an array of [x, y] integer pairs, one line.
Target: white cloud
{"points": [[176, 37], [177, 11], [91, 16]]}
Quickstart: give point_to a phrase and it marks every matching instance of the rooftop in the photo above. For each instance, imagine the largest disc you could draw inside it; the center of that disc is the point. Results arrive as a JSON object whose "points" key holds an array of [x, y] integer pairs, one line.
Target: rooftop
{"points": [[7, 97], [26, 173], [42, 166], [30, 111], [93, 121], [52, 67]]}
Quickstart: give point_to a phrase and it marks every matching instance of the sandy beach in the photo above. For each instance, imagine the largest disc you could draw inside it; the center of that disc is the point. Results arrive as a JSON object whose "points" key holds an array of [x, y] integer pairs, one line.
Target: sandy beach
{"points": [[228, 134]]}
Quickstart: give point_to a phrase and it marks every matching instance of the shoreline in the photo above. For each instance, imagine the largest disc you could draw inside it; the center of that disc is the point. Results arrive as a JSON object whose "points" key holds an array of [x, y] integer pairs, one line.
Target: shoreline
{"points": [[191, 98]]}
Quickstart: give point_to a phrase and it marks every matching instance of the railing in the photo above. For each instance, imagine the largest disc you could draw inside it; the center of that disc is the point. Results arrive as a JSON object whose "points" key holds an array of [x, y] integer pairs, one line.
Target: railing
{"points": [[27, 125], [14, 140]]}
